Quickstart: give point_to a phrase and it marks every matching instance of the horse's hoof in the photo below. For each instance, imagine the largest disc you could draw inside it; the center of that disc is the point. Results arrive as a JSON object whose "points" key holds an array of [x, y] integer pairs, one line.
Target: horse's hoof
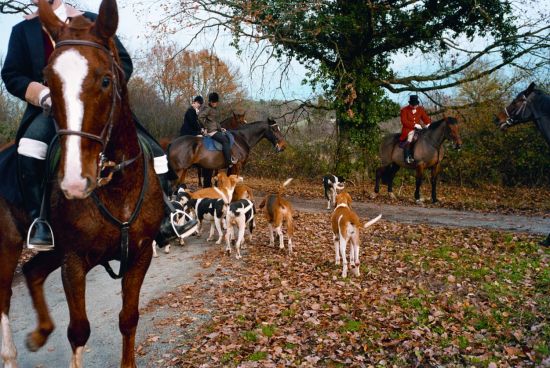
{"points": [[392, 196], [35, 341], [434, 201]]}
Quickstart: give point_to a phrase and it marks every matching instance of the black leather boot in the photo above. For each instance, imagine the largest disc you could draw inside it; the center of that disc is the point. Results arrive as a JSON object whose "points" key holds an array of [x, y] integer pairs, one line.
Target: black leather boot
{"points": [[32, 177], [165, 184], [408, 154], [167, 233]]}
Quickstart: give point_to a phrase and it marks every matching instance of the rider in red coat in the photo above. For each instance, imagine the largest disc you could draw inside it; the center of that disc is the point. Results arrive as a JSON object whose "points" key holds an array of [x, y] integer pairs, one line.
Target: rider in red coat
{"points": [[413, 117]]}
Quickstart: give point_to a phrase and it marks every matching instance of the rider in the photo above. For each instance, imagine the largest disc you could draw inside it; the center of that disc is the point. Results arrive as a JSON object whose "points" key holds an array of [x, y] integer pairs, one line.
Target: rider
{"points": [[208, 118], [413, 117], [190, 120], [29, 49]]}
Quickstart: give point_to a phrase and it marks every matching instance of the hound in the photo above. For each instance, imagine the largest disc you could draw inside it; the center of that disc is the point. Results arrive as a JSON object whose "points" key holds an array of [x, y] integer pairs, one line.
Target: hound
{"points": [[277, 211], [208, 209], [345, 228], [332, 184], [224, 190], [181, 219], [242, 191], [240, 213]]}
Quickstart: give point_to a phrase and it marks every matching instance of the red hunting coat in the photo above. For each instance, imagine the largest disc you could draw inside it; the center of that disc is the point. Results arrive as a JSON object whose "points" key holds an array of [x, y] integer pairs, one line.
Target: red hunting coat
{"points": [[408, 119]]}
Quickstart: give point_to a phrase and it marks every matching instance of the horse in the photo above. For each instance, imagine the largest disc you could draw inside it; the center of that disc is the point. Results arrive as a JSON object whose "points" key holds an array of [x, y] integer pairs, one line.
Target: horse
{"points": [[533, 105], [235, 121], [105, 199], [188, 150], [428, 153]]}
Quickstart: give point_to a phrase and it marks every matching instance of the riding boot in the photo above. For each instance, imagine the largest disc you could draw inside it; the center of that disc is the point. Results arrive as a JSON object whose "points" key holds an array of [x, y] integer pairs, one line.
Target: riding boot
{"points": [[545, 242], [167, 232], [165, 184], [408, 154], [32, 177]]}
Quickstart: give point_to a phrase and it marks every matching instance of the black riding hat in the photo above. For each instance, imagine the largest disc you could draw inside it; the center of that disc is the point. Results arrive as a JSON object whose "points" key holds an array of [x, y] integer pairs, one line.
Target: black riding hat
{"points": [[199, 99], [213, 97], [413, 100]]}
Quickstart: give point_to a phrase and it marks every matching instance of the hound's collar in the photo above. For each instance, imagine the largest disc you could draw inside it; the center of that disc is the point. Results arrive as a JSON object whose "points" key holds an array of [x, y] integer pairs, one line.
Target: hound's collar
{"points": [[342, 205]]}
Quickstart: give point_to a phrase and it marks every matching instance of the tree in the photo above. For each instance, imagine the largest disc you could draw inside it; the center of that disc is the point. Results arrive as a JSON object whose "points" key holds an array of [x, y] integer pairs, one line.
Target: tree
{"points": [[177, 76], [349, 46]]}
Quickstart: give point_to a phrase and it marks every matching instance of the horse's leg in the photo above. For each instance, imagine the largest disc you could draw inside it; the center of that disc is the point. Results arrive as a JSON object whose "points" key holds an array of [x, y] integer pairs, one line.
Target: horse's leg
{"points": [[36, 271], [9, 255], [392, 170], [435, 173], [379, 173], [199, 174], [181, 176], [129, 315], [419, 178], [73, 274]]}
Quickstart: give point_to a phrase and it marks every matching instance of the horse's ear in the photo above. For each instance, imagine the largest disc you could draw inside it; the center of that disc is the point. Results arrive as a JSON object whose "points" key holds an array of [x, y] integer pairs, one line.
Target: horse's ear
{"points": [[530, 89], [107, 20], [49, 20]]}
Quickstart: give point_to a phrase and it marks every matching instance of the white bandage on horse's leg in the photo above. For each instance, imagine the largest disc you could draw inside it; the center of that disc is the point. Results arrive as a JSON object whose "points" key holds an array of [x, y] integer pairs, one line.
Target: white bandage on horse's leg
{"points": [[161, 164], [8, 352], [32, 148]]}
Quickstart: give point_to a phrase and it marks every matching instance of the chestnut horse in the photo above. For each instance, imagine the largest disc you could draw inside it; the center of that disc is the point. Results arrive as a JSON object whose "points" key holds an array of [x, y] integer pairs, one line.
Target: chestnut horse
{"points": [[92, 214], [428, 153], [188, 150], [529, 105], [235, 121]]}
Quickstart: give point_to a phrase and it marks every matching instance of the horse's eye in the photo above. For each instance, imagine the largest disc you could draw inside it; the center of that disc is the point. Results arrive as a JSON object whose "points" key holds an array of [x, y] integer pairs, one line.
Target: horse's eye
{"points": [[105, 82]]}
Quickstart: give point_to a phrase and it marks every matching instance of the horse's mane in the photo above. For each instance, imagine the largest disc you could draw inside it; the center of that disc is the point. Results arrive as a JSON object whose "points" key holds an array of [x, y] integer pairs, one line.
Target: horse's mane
{"points": [[251, 125], [80, 23], [450, 120]]}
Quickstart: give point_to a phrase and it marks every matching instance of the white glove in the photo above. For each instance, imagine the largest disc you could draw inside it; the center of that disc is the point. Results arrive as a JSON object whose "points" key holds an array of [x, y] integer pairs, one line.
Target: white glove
{"points": [[45, 100], [204, 131], [417, 126], [223, 130]]}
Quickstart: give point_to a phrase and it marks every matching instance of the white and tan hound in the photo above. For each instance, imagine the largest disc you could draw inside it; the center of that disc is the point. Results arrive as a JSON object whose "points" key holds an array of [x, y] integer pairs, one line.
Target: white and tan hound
{"points": [[346, 227], [240, 214]]}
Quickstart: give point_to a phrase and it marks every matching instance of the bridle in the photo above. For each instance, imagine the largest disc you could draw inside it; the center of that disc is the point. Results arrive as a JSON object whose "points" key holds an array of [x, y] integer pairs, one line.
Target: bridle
{"points": [[512, 118], [104, 165]]}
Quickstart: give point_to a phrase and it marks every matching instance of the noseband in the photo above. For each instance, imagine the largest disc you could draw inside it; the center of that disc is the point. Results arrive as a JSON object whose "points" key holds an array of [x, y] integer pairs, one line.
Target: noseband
{"points": [[103, 163], [513, 119]]}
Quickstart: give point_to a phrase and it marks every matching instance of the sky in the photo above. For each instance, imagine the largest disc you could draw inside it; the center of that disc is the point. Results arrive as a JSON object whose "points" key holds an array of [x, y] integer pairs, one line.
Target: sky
{"points": [[262, 84], [133, 30]]}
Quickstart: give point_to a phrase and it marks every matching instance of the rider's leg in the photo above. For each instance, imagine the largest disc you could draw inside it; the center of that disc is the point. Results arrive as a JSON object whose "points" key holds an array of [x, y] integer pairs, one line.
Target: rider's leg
{"points": [[226, 148], [167, 231], [407, 149], [32, 150]]}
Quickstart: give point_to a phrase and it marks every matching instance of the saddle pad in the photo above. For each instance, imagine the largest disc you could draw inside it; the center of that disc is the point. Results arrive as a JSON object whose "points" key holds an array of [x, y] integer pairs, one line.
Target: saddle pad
{"points": [[9, 184], [212, 145]]}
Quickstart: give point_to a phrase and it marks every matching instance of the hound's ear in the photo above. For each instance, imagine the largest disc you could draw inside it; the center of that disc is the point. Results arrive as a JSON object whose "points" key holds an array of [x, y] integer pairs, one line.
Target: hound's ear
{"points": [[530, 89], [49, 20], [107, 20]]}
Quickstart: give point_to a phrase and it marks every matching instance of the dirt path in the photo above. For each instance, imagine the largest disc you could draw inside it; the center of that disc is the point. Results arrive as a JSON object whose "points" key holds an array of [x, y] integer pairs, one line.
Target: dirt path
{"points": [[436, 216], [181, 267]]}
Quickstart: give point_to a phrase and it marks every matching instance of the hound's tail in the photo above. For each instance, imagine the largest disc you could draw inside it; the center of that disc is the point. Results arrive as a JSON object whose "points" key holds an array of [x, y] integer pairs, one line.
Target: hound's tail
{"points": [[284, 185], [373, 221]]}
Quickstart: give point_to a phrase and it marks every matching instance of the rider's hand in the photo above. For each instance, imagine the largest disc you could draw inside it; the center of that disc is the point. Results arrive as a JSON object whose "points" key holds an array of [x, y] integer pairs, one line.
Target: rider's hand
{"points": [[45, 100], [223, 130], [204, 131], [417, 126]]}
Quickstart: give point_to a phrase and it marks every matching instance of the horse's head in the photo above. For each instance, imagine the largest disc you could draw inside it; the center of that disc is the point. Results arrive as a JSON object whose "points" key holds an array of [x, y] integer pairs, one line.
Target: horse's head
{"points": [[238, 119], [515, 112], [86, 84], [452, 131], [275, 136]]}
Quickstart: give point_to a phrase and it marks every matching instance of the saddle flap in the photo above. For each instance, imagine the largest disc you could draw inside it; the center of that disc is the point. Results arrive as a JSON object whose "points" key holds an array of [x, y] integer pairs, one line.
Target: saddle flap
{"points": [[212, 145]]}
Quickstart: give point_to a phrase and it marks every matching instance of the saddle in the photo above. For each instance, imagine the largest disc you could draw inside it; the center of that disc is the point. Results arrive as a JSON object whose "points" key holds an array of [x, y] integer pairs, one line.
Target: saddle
{"points": [[403, 143], [212, 145]]}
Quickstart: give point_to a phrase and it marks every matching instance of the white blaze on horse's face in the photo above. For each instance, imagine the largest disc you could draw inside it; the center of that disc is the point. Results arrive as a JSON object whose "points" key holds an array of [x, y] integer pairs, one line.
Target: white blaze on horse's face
{"points": [[72, 68]]}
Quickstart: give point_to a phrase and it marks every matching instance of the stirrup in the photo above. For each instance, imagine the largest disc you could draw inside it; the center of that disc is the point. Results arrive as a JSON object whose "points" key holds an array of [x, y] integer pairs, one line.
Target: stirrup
{"points": [[40, 247]]}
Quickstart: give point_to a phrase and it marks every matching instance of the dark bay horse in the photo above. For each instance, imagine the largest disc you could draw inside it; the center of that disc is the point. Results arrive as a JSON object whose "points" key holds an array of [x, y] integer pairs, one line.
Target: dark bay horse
{"points": [[92, 213], [428, 153], [188, 150], [529, 105]]}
